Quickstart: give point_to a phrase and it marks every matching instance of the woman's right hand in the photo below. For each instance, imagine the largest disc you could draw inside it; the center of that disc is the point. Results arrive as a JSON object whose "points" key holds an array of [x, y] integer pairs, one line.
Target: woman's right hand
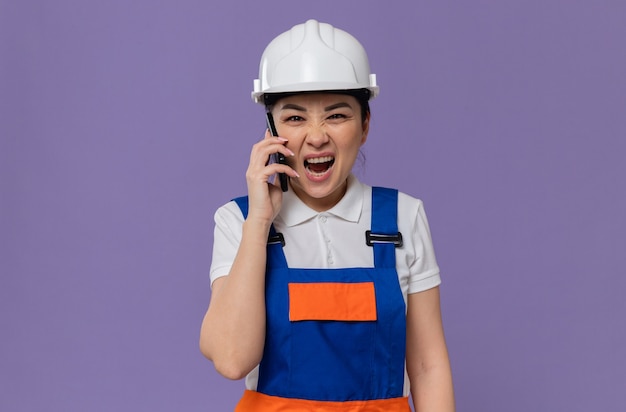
{"points": [[233, 329], [265, 198]]}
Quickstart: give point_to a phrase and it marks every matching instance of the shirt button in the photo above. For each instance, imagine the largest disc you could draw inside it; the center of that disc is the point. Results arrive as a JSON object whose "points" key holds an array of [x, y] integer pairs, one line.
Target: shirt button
{"points": [[323, 219]]}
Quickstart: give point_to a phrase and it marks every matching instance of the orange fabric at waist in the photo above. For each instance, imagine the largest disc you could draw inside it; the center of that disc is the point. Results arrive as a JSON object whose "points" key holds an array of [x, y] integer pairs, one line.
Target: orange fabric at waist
{"points": [[257, 402]]}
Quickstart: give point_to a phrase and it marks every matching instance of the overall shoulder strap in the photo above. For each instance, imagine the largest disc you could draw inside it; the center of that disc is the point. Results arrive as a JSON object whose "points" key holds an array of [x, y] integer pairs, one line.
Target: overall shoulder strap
{"points": [[242, 202], [384, 236]]}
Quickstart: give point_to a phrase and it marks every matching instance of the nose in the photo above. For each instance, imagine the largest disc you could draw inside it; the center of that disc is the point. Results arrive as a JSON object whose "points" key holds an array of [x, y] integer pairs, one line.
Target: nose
{"points": [[317, 136]]}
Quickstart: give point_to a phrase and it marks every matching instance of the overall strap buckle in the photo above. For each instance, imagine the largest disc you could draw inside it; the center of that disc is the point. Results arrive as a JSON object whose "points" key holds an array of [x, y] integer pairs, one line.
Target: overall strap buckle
{"points": [[275, 238], [372, 238]]}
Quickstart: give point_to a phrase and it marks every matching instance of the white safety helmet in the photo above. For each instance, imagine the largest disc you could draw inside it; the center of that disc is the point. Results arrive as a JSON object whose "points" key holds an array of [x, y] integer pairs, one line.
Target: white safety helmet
{"points": [[313, 56]]}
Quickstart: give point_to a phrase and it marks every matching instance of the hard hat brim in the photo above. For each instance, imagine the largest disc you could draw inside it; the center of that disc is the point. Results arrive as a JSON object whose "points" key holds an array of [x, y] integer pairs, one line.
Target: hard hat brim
{"points": [[257, 96]]}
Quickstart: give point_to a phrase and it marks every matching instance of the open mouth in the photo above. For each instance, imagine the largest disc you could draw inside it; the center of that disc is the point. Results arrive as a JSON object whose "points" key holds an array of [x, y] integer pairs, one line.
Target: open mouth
{"points": [[319, 165]]}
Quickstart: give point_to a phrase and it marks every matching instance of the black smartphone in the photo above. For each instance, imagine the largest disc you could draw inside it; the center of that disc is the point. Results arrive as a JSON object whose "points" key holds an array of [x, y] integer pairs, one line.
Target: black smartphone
{"points": [[277, 157]]}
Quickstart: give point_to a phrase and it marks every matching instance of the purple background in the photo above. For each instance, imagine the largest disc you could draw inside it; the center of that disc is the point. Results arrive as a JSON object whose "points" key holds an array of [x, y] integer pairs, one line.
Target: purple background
{"points": [[125, 124]]}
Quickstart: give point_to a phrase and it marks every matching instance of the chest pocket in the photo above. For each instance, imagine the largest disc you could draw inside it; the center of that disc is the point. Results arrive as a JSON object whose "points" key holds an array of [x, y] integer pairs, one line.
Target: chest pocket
{"points": [[332, 301]]}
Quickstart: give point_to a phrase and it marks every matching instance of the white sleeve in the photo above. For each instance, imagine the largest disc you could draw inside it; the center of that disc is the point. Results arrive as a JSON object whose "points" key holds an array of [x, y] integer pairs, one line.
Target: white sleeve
{"points": [[226, 239], [420, 256]]}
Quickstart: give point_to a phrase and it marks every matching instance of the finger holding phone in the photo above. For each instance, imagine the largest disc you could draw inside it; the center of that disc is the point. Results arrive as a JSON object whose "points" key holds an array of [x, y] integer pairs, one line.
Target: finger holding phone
{"points": [[267, 160]]}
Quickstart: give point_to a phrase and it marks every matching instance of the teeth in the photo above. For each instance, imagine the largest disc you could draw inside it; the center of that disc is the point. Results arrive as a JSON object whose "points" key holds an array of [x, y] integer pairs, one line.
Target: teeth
{"points": [[320, 159]]}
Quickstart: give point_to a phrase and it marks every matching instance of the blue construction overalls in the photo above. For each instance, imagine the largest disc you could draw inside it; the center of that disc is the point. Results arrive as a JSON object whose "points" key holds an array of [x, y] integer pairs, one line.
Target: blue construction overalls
{"points": [[324, 348]]}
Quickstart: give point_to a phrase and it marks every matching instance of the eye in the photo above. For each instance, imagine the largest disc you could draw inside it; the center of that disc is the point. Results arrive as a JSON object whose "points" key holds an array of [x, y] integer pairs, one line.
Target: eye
{"points": [[294, 118], [337, 116]]}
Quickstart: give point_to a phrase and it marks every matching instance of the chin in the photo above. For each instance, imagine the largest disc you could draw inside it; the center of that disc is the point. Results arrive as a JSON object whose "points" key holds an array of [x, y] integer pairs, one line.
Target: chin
{"points": [[324, 190]]}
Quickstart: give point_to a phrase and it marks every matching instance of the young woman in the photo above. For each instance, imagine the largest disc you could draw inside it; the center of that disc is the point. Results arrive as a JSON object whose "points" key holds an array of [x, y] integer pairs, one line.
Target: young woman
{"points": [[325, 296]]}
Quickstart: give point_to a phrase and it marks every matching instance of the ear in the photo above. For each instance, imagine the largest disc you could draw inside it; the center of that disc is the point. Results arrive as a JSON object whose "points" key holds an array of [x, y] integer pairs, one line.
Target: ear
{"points": [[366, 128]]}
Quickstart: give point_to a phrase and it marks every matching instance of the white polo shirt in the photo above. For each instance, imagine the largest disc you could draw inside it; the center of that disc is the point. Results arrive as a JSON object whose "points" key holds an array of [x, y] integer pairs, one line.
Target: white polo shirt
{"points": [[336, 238]]}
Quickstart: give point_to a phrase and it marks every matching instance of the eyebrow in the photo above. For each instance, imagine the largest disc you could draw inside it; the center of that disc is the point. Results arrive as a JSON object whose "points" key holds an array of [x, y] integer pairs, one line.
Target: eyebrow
{"points": [[293, 107], [303, 109], [337, 106]]}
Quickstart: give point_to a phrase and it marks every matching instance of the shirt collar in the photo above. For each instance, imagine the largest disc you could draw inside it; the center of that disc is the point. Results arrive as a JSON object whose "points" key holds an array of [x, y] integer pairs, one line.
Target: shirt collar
{"points": [[294, 211]]}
